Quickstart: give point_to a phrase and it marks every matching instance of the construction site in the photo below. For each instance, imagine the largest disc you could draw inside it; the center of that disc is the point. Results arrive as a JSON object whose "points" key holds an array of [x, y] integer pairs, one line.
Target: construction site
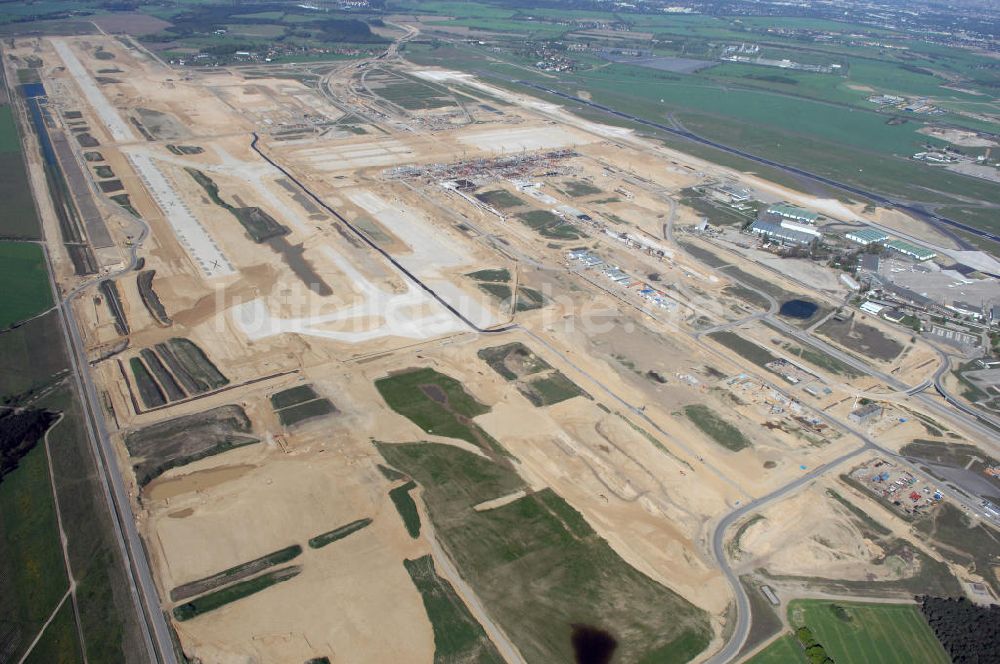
{"points": [[318, 295]]}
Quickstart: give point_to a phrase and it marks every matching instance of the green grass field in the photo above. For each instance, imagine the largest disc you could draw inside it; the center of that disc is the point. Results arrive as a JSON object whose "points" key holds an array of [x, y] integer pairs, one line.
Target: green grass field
{"points": [[863, 633], [9, 138], [407, 507], [19, 219], [33, 577], [457, 635], [438, 404], [60, 644], [31, 356], [26, 282], [712, 425], [742, 347], [539, 567], [784, 650]]}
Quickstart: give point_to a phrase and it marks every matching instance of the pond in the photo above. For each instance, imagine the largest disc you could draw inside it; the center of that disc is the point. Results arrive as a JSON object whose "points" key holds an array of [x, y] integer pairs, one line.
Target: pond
{"points": [[801, 309]]}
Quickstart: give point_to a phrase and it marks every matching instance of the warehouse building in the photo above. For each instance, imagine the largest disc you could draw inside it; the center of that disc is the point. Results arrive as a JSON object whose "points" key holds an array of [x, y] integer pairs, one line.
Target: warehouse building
{"points": [[786, 211], [866, 413], [910, 250], [779, 233], [802, 228], [867, 236], [966, 309]]}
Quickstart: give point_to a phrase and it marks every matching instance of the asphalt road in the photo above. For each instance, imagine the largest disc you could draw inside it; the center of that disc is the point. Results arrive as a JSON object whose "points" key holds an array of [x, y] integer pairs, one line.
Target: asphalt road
{"points": [[153, 625], [155, 633], [683, 133]]}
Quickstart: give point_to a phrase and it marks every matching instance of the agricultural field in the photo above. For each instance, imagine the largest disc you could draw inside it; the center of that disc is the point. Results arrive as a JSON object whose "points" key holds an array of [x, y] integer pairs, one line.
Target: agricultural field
{"points": [[855, 632], [20, 219], [26, 282], [35, 577]]}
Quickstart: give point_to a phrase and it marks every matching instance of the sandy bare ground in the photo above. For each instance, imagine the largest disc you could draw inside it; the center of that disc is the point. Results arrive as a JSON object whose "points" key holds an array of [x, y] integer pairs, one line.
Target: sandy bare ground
{"points": [[626, 457]]}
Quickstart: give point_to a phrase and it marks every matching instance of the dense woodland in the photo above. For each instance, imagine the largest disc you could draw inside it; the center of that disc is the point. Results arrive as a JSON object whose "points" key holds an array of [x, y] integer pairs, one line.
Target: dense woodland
{"points": [[20, 431], [969, 633]]}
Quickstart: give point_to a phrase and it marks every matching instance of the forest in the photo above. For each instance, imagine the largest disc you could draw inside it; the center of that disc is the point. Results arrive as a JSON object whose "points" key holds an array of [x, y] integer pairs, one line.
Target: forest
{"points": [[969, 633]]}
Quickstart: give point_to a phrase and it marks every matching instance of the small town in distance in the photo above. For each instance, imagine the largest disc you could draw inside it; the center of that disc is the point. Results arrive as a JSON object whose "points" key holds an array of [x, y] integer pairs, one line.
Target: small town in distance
{"points": [[568, 331]]}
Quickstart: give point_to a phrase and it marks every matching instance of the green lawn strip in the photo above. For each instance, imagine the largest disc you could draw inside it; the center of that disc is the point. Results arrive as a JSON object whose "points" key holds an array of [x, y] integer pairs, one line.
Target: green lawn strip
{"points": [[167, 382], [60, 644], [149, 392], [742, 347], [235, 573], [194, 362], [235, 592], [538, 566], [783, 650], [25, 280], [716, 428], [449, 414], [857, 633], [551, 389], [292, 396], [458, 637], [33, 577], [407, 507], [323, 539]]}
